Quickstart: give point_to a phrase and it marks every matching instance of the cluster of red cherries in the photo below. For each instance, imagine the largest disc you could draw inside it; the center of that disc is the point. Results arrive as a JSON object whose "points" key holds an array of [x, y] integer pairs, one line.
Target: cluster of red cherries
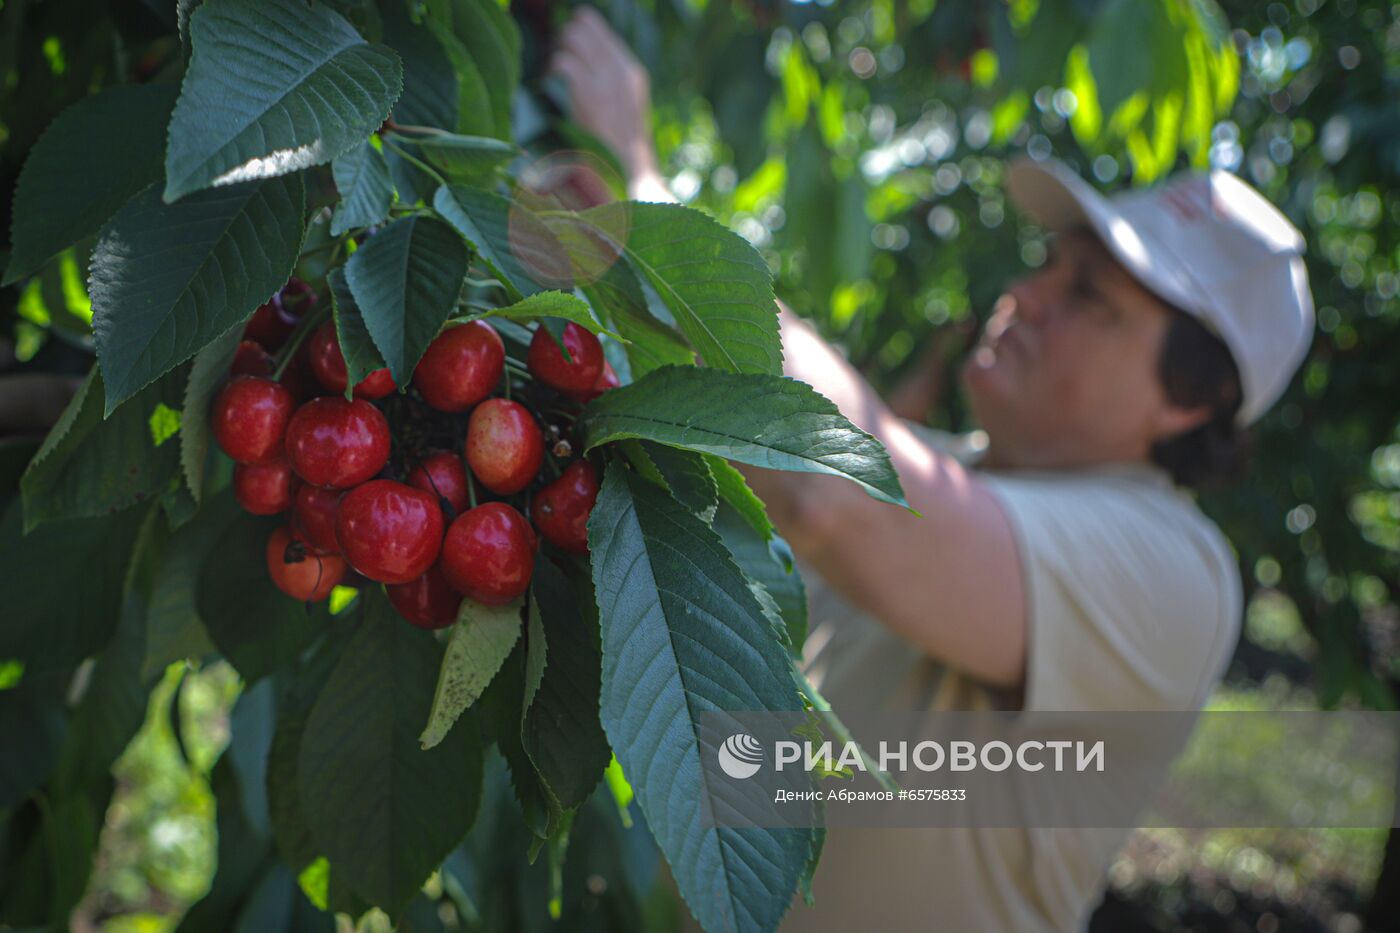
{"points": [[397, 498]]}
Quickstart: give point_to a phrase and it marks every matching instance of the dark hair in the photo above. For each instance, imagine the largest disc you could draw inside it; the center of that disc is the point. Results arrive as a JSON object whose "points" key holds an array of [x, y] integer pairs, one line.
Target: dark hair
{"points": [[1196, 369]]}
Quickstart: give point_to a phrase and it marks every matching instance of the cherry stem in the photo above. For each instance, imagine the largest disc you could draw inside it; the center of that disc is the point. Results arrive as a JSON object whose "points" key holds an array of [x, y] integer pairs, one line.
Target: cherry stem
{"points": [[553, 462], [304, 327], [411, 128], [413, 160], [471, 491]]}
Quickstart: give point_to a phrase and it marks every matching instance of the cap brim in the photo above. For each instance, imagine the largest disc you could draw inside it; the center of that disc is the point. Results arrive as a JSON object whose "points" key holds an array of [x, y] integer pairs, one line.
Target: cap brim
{"points": [[1058, 199], [1053, 195]]}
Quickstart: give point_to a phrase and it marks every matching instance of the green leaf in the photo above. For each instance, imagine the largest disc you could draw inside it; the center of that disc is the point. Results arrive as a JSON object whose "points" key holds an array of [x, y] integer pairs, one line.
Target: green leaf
{"points": [[429, 81], [174, 629], [480, 641], [682, 635], [766, 421], [62, 586], [361, 355], [551, 304], [113, 706], [89, 162], [734, 489], [560, 730], [484, 218], [256, 626], [500, 712], [652, 343], [683, 473], [768, 566], [166, 279], [406, 280], [1116, 54], [463, 155], [209, 372], [366, 190], [273, 88], [492, 41], [289, 829], [711, 279], [89, 467], [360, 756], [474, 114]]}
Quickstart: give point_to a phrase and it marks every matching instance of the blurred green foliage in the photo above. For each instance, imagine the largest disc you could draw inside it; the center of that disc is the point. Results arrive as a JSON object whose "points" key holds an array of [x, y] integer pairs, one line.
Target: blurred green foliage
{"points": [[860, 146]]}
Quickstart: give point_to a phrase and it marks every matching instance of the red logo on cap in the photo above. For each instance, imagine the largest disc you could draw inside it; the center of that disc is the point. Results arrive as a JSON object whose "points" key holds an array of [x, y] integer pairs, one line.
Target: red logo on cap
{"points": [[1190, 198]]}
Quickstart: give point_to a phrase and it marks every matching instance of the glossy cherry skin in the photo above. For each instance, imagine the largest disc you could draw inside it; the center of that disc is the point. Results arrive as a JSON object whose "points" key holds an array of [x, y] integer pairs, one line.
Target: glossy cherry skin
{"points": [[428, 601], [265, 488], [578, 374], [607, 379], [504, 446], [489, 554], [328, 363], [250, 417], [442, 475], [338, 444], [461, 366], [274, 321], [307, 576], [252, 360], [561, 509], [313, 516], [388, 531]]}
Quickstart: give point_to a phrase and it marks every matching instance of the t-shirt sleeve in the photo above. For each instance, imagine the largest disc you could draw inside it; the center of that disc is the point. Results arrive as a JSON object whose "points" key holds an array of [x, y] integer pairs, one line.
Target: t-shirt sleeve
{"points": [[1132, 596]]}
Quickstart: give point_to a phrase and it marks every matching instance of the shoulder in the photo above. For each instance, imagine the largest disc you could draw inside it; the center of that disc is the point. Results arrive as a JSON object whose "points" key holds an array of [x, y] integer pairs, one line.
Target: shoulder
{"points": [[1124, 559]]}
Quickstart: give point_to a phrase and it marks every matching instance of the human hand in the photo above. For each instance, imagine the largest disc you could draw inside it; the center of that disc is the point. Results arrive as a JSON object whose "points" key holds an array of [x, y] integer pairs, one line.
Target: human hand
{"points": [[611, 94]]}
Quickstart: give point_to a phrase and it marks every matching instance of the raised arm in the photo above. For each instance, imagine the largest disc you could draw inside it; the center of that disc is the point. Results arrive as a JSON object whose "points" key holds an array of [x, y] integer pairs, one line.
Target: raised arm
{"points": [[947, 581]]}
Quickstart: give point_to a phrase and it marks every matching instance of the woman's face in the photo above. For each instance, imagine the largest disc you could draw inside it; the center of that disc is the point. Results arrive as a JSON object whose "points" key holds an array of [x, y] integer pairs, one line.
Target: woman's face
{"points": [[1066, 371]]}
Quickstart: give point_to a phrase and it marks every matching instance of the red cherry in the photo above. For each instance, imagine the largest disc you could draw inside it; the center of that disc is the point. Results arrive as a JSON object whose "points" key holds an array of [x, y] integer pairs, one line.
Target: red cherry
{"points": [[504, 446], [314, 515], [443, 476], [328, 363], [561, 509], [252, 360], [249, 418], [580, 373], [489, 554], [427, 601], [388, 531], [336, 443], [265, 488], [274, 321], [607, 379], [461, 366], [300, 572]]}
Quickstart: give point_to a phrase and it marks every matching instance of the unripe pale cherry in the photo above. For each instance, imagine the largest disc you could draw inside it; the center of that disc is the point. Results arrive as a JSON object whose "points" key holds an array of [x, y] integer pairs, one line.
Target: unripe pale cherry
{"points": [[504, 446]]}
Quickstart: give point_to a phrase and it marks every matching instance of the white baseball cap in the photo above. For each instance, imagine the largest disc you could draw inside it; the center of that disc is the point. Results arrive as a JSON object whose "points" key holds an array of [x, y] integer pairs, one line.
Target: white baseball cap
{"points": [[1207, 243]]}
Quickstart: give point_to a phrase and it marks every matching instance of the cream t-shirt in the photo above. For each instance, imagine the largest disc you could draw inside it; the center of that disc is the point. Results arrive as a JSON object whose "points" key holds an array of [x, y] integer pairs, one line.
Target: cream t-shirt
{"points": [[1134, 603]]}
